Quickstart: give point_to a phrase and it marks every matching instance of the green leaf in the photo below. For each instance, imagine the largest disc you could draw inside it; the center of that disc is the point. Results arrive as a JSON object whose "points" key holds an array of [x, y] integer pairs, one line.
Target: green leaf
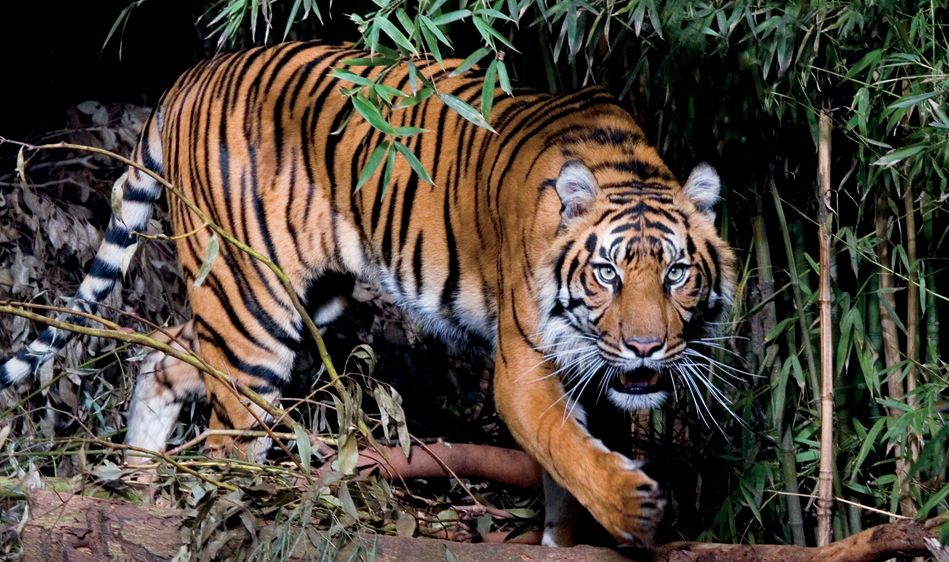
{"points": [[210, 254], [487, 90], [907, 101], [502, 75], [348, 76], [372, 164], [451, 17], [465, 110], [408, 131], [487, 32], [931, 503], [432, 44], [387, 173], [413, 77], [776, 331], [377, 60], [303, 445], [371, 114], [290, 18], [418, 98], [864, 62], [430, 25], [449, 556], [472, 59], [393, 32], [944, 534], [414, 162], [892, 158], [493, 14], [406, 21], [390, 90]]}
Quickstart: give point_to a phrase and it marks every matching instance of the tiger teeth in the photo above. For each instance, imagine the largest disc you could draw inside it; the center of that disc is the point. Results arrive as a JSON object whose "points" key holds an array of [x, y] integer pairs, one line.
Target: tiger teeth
{"points": [[625, 381]]}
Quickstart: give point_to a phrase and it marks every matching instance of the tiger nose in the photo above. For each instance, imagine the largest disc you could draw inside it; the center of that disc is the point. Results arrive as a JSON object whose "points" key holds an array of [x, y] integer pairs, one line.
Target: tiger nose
{"points": [[644, 347]]}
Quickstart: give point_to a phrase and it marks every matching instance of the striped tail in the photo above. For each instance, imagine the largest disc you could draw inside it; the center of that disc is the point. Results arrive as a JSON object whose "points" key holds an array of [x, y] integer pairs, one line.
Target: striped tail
{"points": [[140, 192]]}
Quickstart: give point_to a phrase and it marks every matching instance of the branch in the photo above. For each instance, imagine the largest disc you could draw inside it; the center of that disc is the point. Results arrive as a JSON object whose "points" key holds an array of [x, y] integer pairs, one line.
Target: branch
{"points": [[77, 528]]}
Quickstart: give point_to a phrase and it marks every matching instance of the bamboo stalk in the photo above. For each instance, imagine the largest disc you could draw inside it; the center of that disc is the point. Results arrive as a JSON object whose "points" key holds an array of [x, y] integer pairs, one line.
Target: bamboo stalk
{"points": [[771, 361], [927, 210], [825, 477], [907, 505], [891, 345], [912, 300], [802, 319]]}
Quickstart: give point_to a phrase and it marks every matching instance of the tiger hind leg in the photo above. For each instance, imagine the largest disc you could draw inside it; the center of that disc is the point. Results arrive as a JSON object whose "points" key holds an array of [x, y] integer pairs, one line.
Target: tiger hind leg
{"points": [[263, 366], [164, 385]]}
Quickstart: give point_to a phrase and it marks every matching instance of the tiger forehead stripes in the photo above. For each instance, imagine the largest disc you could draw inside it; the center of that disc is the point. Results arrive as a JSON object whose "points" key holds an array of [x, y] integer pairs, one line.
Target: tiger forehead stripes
{"points": [[562, 240]]}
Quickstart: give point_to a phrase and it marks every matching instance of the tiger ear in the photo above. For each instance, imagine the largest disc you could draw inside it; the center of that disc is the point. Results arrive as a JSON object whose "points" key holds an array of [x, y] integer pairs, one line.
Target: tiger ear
{"points": [[703, 188], [577, 190]]}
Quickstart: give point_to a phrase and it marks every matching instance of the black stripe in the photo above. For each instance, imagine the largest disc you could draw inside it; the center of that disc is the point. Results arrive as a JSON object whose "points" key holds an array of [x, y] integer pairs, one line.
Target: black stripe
{"points": [[268, 375]]}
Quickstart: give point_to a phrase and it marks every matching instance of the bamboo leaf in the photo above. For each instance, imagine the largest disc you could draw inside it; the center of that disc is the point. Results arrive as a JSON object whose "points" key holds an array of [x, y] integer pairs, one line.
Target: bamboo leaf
{"points": [[371, 114], [430, 25], [471, 60], [372, 164], [867, 445], [436, 51], [303, 445], [387, 173], [414, 162], [348, 76], [487, 89], [776, 331], [378, 60], [487, 32], [465, 111], [397, 36], [390, 91], [867, 60], [493, 14], [408, 131], [210, 254], [932, 502], [908, 101], [451, 17], [503, 77], [419, 97]]}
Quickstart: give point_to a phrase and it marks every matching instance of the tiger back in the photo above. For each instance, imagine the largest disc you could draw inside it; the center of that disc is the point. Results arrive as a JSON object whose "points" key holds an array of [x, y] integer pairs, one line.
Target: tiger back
{"points": [[562, 240]]}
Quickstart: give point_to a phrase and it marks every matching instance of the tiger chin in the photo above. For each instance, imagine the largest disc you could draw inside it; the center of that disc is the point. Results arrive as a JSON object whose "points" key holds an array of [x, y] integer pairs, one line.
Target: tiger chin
{"points": [[562, 239]]}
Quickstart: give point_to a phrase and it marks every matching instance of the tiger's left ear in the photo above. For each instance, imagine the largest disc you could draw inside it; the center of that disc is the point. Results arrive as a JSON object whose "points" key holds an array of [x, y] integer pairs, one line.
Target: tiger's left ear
{"points": [[577, 190], [703, 188]]}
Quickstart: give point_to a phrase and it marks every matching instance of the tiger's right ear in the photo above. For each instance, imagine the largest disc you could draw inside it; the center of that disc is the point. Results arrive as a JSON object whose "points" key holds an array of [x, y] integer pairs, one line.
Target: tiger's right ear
{"points": [[577, 190], [704, 188]]}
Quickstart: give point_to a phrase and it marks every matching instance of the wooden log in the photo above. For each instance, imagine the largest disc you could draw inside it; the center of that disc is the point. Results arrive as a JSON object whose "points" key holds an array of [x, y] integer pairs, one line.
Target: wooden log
{"points": [[73, 528]]}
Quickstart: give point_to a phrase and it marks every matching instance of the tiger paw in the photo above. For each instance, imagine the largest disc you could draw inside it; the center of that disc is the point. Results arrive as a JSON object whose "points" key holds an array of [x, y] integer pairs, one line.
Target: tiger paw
{"points": [[630, 504]]}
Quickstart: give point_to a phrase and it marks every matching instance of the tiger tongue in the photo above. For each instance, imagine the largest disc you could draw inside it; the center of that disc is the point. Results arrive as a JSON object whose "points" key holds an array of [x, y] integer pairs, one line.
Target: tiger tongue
{"points": [[640, 378]]}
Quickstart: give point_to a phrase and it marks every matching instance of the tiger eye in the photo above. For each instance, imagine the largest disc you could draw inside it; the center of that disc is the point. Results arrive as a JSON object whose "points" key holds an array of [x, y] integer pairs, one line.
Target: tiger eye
{"points": [[675, 273], [606, 273]]}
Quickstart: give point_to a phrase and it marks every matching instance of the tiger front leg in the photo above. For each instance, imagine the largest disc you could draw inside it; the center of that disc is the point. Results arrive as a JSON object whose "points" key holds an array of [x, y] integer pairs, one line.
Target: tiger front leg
{"points": [[612, 487]]}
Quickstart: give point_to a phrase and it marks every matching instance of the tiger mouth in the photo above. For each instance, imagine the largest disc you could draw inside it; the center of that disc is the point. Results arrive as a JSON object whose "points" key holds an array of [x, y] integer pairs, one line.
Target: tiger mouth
{"points": [[638, 381]]}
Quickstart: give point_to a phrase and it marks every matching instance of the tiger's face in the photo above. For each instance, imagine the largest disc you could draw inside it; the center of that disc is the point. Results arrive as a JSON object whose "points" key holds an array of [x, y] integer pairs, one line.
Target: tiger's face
{"points": [[640, 276]]}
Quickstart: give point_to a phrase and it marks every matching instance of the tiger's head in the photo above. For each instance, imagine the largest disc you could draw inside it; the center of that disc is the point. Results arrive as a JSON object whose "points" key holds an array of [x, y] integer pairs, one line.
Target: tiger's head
{"points": [[638, 279]]}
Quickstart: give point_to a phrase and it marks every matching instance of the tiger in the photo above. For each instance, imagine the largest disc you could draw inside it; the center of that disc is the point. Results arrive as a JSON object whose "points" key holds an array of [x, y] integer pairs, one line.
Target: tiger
{"points": [[559, 237]]}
